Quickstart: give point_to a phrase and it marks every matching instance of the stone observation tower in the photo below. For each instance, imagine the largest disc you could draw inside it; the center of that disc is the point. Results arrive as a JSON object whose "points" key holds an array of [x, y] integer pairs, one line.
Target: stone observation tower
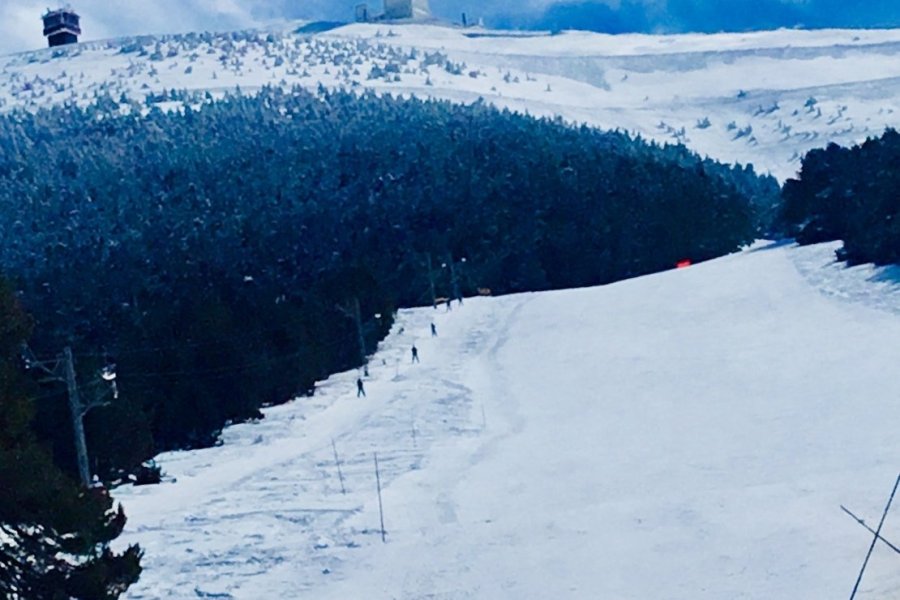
{"points": [[62, 26]]}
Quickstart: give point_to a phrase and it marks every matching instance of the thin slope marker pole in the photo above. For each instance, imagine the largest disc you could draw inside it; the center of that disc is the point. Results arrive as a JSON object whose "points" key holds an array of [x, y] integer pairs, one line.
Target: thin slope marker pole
{"points": [[415, 443], [380, 505], [483, 418], [337, 461], [869, 529], [875, 538]]}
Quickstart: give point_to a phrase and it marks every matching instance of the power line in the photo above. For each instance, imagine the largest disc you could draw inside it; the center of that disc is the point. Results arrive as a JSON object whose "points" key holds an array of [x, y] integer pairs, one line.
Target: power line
{"points": [[225, 371], [241, 337], [199, 344], [218, 370]]}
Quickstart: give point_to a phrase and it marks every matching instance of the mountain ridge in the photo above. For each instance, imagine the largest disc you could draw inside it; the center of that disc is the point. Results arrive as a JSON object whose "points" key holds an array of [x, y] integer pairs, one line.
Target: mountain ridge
{"points": [[733, 97]]}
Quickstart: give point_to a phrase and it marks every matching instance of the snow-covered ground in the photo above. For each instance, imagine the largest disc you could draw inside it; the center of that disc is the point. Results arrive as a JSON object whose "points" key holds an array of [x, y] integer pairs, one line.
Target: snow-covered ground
{"points": [[686, 435], [763, 98]]}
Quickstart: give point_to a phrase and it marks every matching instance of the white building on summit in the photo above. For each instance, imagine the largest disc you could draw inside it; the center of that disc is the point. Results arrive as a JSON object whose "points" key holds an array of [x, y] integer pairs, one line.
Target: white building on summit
{"points": [[406, 9], [396, 10]]}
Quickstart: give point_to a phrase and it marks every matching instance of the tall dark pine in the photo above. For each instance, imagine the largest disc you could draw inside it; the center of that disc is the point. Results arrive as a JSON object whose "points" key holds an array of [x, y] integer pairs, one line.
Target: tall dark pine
{"points": [[849, 194]]}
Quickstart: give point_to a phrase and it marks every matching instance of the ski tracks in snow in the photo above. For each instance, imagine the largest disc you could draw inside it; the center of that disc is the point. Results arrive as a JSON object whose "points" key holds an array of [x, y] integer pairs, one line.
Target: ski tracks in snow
{"points": [[689, 434], [876, 287], [265, 510]]}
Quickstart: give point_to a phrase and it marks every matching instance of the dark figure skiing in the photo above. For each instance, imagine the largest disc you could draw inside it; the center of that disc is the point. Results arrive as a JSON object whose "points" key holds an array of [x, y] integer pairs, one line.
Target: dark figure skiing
{"points": [[360, 390], [415, 354], [449, 308], [433, 330]]}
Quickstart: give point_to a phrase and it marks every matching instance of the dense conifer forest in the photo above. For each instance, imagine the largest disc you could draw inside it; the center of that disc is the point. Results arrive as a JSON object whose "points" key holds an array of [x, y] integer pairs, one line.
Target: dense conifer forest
{"points": [[214, 252], [849, 194]]}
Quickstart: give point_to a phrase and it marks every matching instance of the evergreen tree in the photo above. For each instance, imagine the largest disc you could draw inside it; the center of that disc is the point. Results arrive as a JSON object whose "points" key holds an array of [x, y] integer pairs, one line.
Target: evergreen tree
{"points": [[849, 194], [54, 535]]}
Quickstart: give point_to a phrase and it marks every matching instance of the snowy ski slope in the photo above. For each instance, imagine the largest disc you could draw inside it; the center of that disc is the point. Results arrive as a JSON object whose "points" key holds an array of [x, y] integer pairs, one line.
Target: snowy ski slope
{"points": [[762, 98], [686, 435]]}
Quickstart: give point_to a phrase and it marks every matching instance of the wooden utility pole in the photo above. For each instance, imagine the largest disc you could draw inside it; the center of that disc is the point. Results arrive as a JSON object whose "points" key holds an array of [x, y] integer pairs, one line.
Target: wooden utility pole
{"points": [[431, 282], [357, 315], [62, 370], [78, 411], [353, 312], [454, 281]]}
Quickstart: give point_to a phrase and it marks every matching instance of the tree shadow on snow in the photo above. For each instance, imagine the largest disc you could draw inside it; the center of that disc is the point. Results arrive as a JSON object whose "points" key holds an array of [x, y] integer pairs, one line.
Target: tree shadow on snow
{"points": [[773, 245], [889, 275]]}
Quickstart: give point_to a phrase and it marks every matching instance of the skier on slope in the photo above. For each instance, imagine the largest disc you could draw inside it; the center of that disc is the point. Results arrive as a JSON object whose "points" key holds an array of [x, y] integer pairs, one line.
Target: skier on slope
{"points": [[415, 354], [360, 390], [433, 330]]}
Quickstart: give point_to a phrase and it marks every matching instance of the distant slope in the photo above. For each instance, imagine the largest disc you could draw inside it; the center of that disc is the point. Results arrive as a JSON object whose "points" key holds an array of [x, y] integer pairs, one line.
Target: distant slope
{"points": [[762, 98], [686, 435]]}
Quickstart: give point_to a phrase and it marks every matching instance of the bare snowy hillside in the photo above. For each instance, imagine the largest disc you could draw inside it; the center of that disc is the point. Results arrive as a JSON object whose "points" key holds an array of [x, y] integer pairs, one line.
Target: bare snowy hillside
{"points": [[762, 98], [686, 435]]}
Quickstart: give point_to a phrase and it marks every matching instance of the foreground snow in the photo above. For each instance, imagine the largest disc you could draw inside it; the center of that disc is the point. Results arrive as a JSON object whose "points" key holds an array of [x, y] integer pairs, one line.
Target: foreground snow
{"points": [[684, 435], [763, 98]]}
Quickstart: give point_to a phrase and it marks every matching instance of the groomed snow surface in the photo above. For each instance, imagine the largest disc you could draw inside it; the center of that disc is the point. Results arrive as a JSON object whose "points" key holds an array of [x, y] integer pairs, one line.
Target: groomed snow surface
{"points": [[686, 435]]}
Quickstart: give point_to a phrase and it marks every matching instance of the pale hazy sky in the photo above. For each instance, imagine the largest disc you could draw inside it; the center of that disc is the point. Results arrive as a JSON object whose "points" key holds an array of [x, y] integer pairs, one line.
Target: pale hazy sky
{"points": [[20, 26]]}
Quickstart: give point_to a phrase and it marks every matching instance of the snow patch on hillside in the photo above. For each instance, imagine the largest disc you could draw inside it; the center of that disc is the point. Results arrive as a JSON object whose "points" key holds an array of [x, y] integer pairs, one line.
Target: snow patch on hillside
{"points": [[763, 98]]}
